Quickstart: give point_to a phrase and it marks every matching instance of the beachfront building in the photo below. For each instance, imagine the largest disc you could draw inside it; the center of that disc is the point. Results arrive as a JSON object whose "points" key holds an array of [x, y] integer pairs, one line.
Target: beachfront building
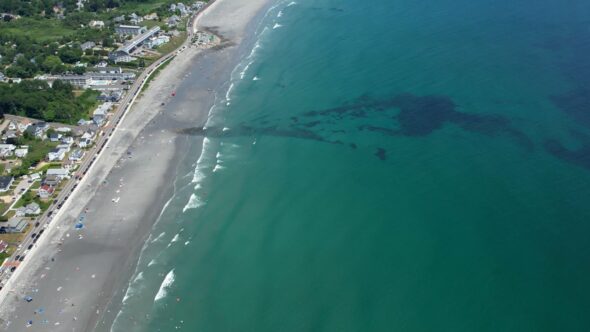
{"points": [[13, 225], [60, 173], [157, 41], [5, 183], [45, 191], [129, 30], [123, 53], [32, 209], [77, 155]]}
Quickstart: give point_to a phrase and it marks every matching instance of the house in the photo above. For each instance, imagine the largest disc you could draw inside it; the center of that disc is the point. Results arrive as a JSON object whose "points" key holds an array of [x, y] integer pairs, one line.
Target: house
{"points": [[22, 126], [100, 114], [76, 155], [61, 173], [69, 140], [55, 137], [11, 126], [64, 130], [151, 17], [182, 8], [6, 150], [198, 5], [51, 180], [56, 155], [85, 142], [35, 176], [157, 41], [101, 64], [13, 225], [45, 191], [64, 146], [173, 21], [5, 183], [113, 96], [132, 30], [3, 246], [33, 209], [96, 24], [22, 151], [38, 129], [9, 134], [87, 45], [135, 19], [119, 19]]}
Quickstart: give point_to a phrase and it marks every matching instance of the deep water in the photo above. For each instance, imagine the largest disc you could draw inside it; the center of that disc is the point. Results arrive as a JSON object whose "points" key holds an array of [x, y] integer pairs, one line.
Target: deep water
{"points": [[386, 165]]}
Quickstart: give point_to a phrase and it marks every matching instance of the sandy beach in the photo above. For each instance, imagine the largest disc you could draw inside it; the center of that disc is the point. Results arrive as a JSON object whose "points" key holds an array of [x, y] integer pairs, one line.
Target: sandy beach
{"points": [[73, 275]]}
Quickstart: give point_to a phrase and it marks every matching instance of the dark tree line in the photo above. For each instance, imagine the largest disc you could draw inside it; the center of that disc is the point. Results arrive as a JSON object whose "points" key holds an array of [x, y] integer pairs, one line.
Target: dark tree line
{"points": [[37, 100]]}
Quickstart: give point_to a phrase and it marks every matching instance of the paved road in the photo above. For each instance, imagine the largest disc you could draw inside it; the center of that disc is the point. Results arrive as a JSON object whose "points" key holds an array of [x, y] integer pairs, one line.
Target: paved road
{"points": [[103, 136]]}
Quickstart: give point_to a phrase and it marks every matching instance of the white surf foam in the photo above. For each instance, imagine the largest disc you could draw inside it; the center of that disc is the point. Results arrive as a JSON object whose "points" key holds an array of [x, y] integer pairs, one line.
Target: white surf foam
{"points": [[165, 286], [256, 78], [158, 237], [292, 3], [280, 14], [276, 26], [175, 238], [193, 203]]}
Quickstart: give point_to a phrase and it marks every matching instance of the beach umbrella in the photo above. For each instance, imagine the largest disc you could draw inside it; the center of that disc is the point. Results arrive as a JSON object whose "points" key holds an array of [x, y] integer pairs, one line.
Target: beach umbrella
{"points": [[79, 225], [28, 298]]}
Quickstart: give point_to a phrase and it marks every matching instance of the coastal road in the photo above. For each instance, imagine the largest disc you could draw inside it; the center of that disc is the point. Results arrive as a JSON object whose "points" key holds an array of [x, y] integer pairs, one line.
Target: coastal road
{"points": [[103, 135]]}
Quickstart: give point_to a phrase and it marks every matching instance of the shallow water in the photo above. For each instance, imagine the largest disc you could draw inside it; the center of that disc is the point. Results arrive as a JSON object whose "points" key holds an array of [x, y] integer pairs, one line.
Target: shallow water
{"points": [[386, 165]]}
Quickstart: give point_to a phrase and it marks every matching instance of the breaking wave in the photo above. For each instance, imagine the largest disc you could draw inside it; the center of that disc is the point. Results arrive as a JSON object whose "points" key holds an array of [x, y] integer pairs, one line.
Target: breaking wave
{"points": [[165, 286]]}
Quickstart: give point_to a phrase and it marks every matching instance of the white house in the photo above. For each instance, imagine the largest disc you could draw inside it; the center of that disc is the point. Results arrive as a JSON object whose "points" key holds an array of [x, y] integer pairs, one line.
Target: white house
{"points": [[56, 155], [6, 150], [21, 152], [60, 173], [96, 24]]}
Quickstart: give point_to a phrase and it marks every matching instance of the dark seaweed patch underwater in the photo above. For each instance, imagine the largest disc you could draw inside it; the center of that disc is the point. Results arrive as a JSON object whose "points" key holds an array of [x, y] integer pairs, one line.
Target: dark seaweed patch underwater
{"points": [[405, 115]]}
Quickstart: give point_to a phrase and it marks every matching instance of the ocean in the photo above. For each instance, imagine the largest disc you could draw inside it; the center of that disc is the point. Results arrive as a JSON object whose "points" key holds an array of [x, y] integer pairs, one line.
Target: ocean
{"points": [[385, 165]]}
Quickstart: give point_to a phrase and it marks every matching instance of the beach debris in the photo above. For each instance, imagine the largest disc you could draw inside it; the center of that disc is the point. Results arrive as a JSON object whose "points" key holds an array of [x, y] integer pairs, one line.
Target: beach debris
{"points": [[59, 288], [79, 225], [93, 276], [29, 323]]}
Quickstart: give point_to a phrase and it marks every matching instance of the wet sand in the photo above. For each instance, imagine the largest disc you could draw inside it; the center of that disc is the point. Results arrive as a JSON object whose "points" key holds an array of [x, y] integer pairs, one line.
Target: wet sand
{"points": [[74, 275]]}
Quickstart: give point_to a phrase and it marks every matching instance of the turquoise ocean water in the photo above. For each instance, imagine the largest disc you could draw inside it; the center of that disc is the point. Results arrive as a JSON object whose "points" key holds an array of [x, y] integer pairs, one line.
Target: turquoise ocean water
{"points": [[386, 165]]}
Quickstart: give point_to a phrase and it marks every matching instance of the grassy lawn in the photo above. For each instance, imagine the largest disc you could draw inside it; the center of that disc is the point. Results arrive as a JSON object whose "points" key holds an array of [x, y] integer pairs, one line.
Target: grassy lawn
{"points": [[38, 29], [3, 257], [174, 43], [144, 7], [15, 238]]}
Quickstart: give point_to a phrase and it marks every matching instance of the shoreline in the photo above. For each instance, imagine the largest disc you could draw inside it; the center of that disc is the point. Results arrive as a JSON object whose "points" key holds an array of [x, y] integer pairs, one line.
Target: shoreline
{"points": [[96, 248]]}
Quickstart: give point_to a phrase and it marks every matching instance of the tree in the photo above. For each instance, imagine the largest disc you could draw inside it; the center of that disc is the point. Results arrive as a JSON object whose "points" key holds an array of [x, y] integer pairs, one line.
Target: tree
{"points": [[79, 70], [70, 54], [52, 64]]}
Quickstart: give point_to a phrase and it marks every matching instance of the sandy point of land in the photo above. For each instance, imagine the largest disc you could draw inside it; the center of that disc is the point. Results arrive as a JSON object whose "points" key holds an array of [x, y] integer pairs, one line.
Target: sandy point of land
{"points": [[73, 275]]}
